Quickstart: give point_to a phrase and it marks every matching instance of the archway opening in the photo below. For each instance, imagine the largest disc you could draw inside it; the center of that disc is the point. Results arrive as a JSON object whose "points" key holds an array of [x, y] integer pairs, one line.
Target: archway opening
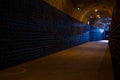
{"points": [[99, 28]]}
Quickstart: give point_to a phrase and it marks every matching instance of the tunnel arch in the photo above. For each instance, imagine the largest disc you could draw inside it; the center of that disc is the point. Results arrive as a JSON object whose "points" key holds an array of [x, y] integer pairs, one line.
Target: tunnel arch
{"points": [[70, 7], [90, 12]]}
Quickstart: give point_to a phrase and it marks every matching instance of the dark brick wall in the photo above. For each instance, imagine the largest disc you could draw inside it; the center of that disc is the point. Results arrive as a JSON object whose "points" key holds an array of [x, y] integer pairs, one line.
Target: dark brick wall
{"points": [[114, 40], [35, 29]]}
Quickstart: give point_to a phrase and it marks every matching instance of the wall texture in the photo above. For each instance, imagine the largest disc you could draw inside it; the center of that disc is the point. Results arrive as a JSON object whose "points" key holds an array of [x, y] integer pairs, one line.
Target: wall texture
{"points": [[35, 29], [115, 40]]}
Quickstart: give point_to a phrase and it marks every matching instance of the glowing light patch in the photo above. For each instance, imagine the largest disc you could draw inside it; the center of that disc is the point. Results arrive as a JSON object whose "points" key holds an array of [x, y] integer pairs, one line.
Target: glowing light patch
{"points": [[98, 16], [88, 22], [78, 9], [104, 41], [96, 10], [101, 30]]}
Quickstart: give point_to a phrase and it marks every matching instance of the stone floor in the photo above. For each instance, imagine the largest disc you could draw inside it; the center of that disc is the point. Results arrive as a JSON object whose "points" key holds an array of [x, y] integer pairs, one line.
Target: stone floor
{"points": [[89, 61]]}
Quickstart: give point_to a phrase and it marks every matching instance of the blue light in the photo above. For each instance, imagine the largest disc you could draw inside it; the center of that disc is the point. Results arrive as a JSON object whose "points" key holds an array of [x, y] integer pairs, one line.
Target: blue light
{"points": [[101, 30], [104, 41]]}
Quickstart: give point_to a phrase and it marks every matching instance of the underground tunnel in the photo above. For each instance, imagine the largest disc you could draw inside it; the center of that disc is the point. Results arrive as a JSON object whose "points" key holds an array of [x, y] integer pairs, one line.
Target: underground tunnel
{"points": [[40, 28]]}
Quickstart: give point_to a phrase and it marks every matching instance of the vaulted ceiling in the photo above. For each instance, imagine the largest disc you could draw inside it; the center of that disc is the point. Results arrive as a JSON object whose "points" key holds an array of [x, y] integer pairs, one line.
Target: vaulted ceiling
{"points": [[82, 10]]}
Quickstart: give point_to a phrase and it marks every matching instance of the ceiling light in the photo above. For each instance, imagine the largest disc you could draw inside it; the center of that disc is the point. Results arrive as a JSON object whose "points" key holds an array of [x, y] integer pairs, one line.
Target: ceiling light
{"points": [[78, 9], [98, 16], [96, 10]]}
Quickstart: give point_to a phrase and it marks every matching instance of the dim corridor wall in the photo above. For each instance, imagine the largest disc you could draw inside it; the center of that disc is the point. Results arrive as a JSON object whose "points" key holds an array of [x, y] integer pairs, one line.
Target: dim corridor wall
{"points": [[35, 29]]}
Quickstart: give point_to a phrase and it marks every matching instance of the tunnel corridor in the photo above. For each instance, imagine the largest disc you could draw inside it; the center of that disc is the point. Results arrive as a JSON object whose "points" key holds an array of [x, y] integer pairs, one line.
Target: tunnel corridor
{"points": [[89, 61], [60, 40]]}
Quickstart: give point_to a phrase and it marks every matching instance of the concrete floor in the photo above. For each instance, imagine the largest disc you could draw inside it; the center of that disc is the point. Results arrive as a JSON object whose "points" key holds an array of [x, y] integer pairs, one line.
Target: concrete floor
{"points": [[89, 61]]}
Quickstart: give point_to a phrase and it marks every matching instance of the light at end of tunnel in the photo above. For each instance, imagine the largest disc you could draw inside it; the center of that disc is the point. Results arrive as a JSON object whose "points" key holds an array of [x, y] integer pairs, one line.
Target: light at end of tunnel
{"points": [[101, 30], [104, 41], [96, 10]]}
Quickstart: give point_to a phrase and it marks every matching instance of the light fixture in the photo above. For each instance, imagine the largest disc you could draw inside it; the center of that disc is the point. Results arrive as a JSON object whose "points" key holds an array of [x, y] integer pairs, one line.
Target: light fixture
{"points": [[98, 16], [78, 9], [96, 10], [88, 22]]}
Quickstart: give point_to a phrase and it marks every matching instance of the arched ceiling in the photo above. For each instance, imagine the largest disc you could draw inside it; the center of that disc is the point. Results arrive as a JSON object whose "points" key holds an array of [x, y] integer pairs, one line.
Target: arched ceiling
{"points": [[82, 10]]}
